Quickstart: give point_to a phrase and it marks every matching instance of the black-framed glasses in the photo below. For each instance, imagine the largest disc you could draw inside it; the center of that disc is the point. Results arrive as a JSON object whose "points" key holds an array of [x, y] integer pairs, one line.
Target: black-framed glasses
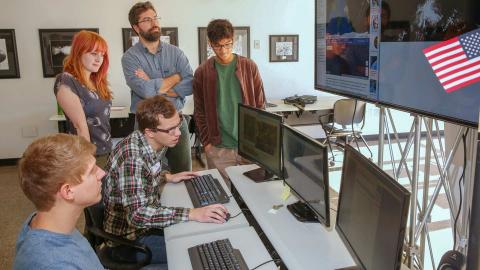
{"points": [[170, 130], [149, 19], [226, 46]]}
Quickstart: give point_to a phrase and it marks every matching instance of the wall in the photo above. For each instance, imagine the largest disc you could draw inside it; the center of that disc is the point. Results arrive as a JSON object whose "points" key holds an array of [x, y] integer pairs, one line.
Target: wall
{"points": [[28, 102]]}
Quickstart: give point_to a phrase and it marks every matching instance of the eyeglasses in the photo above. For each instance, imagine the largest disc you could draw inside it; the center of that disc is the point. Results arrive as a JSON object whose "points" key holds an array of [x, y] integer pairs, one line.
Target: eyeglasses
{"points": [[226, 46], [170, 130], [150, 20]]}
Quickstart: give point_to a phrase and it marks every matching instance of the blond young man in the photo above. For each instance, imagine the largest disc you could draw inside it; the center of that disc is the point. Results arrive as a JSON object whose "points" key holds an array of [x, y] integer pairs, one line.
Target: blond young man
{"points": [[59, 175]]}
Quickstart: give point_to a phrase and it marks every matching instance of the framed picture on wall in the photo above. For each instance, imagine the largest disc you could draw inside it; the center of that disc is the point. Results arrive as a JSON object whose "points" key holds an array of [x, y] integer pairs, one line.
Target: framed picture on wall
{"points": [[55, 45], [8, 55], [283, 48], [168, 35], [241, 43]]}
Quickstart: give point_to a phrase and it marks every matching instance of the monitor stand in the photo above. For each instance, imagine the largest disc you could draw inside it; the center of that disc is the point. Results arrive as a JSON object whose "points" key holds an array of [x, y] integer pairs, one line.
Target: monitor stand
{"points": [[302, 212], [259, 175]]}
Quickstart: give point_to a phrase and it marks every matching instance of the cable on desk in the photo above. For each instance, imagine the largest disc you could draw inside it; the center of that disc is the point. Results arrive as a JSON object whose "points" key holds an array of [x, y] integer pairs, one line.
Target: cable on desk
{"points": [[236, 215], [272, 260]]}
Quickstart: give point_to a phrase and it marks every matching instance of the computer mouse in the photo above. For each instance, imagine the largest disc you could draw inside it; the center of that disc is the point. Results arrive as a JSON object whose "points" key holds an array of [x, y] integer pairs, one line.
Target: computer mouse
{"points": [[227, 217]]}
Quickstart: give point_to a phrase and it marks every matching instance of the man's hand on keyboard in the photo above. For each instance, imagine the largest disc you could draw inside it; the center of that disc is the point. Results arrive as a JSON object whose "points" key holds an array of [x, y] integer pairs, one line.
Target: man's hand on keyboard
{"points": [[215, 213], [175, 178]]}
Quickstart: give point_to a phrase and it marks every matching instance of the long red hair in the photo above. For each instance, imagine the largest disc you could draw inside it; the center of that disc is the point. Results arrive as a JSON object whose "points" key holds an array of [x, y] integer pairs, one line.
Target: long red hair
{"points": [[84, 42]]}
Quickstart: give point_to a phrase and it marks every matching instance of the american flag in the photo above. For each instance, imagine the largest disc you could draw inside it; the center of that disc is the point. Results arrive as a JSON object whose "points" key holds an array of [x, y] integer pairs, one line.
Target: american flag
{"points": [[456, 62]]}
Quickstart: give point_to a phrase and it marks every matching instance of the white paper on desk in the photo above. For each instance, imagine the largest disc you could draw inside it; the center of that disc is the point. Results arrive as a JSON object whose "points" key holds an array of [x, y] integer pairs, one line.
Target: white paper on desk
{"points": [[118, 108], [272, 211]]}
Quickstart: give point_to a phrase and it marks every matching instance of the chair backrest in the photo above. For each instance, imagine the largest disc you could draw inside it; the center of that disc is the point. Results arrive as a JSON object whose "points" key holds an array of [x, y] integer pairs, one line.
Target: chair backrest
{"points": [[343, 111], [94, 215]]}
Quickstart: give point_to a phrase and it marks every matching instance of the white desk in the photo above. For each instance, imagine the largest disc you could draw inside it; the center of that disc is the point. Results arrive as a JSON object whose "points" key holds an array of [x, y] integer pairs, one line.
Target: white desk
{"points": [[177, 195], [315, 131], [245, 239], [300, 245], [281, 106], [115, 112], [120, 123], [322, 103]]}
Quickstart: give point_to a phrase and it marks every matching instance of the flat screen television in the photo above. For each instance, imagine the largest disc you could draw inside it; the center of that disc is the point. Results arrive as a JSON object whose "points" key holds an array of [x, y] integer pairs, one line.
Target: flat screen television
{"points": [[372, 213], [259, 135], [305, 171], [377, 51]]}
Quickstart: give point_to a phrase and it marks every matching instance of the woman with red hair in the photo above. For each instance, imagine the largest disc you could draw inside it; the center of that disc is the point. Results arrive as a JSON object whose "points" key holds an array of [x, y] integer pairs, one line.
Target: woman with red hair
{"points": [[83, 93]]}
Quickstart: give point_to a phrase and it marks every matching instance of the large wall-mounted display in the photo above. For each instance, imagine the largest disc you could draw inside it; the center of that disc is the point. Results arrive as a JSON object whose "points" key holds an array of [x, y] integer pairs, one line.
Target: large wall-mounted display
{"points": [[392, 52]]}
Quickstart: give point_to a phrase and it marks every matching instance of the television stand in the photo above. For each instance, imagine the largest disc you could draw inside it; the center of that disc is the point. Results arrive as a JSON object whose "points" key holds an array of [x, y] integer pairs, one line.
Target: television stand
{"points": [[259, 175], [302, 212]]}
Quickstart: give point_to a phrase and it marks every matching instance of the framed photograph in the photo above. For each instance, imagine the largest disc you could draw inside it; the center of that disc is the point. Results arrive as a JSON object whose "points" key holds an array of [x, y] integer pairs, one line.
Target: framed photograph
{"points": [[241, 43], [283, 48], [169, 35], [55, 45], [8, 55]]}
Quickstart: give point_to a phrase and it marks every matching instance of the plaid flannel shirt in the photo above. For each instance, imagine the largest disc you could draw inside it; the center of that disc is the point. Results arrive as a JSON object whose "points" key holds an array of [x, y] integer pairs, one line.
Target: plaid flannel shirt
{"points": [[132, 189]]}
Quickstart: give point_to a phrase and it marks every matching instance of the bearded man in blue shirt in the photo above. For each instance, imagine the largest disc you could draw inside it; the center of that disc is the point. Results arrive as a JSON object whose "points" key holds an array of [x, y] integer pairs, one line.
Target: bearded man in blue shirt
{"points": [[152, 67]]}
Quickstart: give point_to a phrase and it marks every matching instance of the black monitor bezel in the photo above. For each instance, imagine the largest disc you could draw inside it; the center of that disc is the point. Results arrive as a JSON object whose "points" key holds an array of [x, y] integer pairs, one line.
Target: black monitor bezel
{"points": [[324, 220], [391, 184], [252, 158]]}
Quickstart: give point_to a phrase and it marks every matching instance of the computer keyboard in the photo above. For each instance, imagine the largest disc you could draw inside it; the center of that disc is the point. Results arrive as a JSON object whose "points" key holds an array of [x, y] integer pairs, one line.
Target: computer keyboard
{"points": [[216, 255], [205, 190]]}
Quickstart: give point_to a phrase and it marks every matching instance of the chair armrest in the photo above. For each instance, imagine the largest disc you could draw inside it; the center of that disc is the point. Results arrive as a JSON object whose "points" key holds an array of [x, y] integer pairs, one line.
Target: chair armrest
{"points": [[125, 242]]}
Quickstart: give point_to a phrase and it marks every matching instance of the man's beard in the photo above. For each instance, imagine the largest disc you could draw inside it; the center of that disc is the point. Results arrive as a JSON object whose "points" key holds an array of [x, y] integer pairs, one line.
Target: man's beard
{"points": [[150, 36]]}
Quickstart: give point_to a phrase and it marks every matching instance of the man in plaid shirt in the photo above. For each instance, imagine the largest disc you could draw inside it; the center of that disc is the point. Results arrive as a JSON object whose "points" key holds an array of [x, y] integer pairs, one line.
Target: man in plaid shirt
{"points": [[135, 174]]}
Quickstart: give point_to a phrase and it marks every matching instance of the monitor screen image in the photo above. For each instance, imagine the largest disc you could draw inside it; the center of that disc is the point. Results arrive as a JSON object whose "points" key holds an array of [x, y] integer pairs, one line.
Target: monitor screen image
{"points": [[259, 138], [372, 213], [420, 56], [305, 170]]}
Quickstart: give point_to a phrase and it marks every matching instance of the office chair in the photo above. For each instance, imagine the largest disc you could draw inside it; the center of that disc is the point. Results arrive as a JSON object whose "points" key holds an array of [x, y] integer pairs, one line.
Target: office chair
{"points": [[97, 237], [346, 121]]}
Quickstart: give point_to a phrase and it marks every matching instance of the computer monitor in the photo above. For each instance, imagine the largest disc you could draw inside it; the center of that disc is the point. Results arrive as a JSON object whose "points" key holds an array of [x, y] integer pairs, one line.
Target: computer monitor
{"points": [[372, 213], [305, 170], [259, 141]]}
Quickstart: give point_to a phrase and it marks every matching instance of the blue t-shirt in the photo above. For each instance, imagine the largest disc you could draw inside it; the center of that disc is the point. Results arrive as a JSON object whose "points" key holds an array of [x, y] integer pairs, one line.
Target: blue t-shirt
{"points": [[42, 249]]}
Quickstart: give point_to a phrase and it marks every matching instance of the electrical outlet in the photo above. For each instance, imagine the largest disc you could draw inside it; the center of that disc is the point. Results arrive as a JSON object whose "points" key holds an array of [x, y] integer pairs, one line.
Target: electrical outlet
{"points": [[256, 44], [29, 132]]}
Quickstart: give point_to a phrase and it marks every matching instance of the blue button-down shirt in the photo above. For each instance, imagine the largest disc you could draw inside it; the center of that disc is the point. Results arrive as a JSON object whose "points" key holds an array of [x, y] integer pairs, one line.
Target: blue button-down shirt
{"points": [[167, 61]]}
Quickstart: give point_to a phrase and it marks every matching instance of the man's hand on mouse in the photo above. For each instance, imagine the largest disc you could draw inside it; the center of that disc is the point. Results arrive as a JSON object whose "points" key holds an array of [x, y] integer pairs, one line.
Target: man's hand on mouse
{"points": [[215, 213]]}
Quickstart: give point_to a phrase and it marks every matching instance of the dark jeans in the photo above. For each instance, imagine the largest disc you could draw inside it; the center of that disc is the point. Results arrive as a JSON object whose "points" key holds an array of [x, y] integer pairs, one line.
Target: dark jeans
{"points": [[180, 157], [156, 243]]}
